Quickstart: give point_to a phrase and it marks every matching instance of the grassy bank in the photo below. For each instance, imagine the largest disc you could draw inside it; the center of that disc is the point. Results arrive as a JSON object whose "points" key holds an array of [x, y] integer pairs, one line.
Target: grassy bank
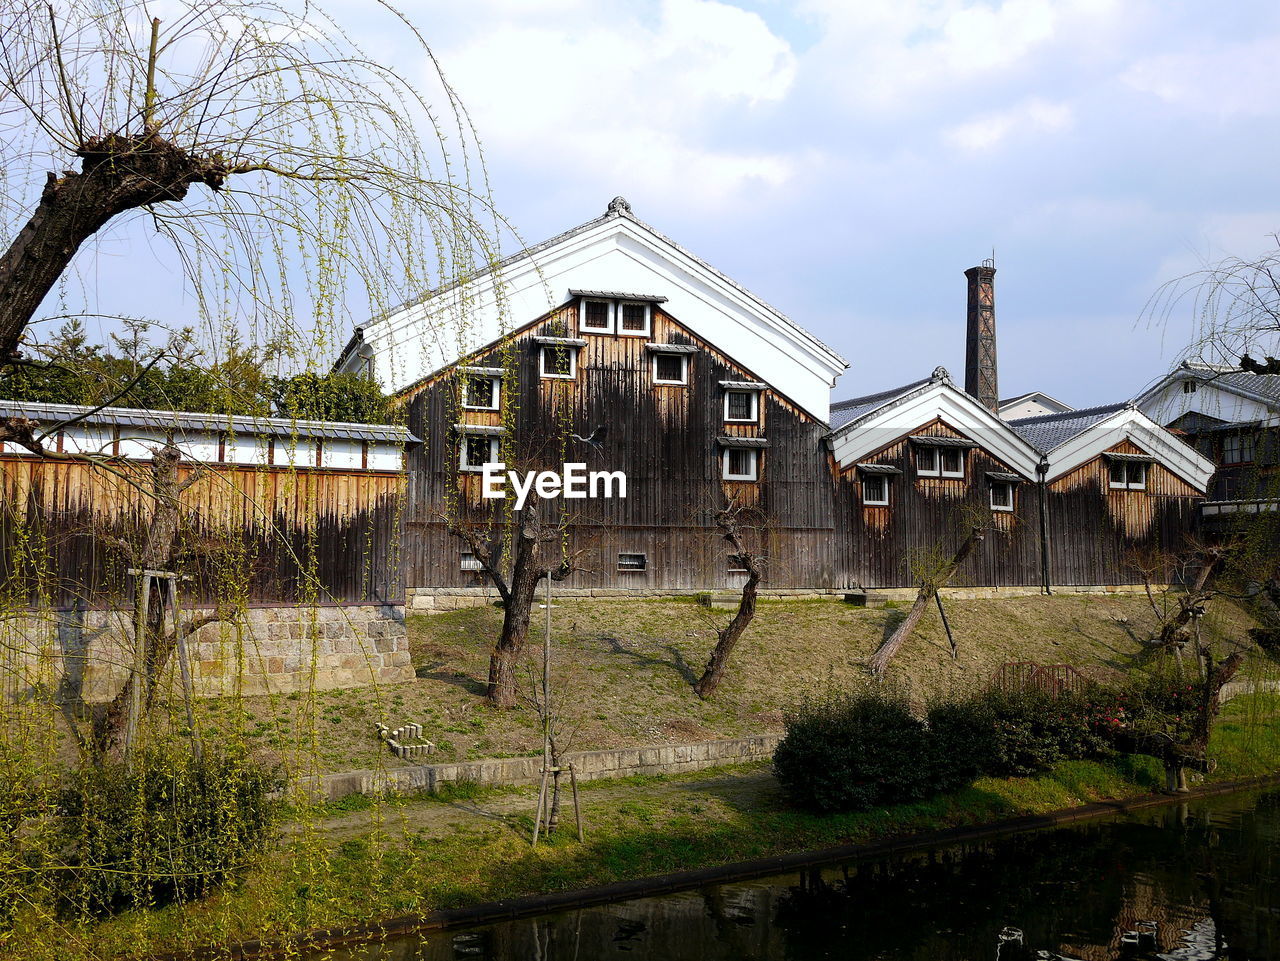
{"points": [[361, 860], [625, 670]]}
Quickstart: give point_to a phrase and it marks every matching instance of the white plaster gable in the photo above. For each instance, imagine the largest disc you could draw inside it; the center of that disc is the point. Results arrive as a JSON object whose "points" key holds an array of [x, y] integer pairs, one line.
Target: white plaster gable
{"points": [[1131, 424], [614, 252], [940, 398], [1031, 405], [1167, 401]]}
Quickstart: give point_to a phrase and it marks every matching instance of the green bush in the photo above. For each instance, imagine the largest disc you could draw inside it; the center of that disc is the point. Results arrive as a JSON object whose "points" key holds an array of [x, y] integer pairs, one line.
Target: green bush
{"points": [[846, 752], [1031, 730], [962, 742], [169, 831]]}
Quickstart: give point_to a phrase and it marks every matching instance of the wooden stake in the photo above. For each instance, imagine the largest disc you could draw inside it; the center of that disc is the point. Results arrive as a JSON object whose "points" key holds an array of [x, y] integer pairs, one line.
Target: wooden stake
{"points": [[955, 652], [134, 719], [184, 666], [577, 809]]}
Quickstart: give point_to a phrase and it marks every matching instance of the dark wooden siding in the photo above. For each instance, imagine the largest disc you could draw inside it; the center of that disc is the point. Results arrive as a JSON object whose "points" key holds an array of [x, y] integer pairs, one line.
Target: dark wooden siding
{"points": [[259, 534]]}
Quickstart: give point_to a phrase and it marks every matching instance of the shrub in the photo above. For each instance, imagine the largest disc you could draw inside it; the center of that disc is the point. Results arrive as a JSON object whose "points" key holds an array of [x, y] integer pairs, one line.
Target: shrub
{"points": [[851, 751], [169, 831], [962, 742], [1032, 730]]}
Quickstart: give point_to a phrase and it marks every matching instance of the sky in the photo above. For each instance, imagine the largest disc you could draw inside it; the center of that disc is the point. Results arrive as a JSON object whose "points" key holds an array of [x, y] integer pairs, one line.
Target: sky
{"points": [[847, 160]]}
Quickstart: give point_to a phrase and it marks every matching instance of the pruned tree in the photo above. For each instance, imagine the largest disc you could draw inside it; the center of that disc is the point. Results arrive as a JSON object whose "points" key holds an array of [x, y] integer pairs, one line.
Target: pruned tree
{"points": [[731, 520], [933, 570], [515, 552]]}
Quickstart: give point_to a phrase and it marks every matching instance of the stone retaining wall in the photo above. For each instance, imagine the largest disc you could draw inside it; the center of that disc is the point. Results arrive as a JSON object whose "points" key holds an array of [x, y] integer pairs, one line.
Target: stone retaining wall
{"points": [[589, 765], [272, 650], [433, 600]]}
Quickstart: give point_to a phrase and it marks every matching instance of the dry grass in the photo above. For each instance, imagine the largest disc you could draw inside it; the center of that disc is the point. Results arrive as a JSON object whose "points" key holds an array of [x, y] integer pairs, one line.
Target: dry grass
{"points": [[624, 669]]}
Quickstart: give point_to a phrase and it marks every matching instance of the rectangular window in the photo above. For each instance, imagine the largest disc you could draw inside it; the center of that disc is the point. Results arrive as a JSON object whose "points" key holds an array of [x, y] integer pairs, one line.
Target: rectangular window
{"points": [[741, 406], [670, 368], [1130, 475], [633, 319], [741, 463], [952, 462], [596, 316], [1001, 496], [633, 562], [927, 461], [875, 489], [1237, 449], [476, 450], [560, 362], [481, 393], [469, 562]]}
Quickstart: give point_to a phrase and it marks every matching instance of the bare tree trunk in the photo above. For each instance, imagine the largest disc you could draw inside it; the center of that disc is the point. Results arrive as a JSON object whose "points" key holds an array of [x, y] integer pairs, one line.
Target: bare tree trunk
{"points": [[118, 174], [728, 638], [501, 691], [729, 520], [880, 660]]}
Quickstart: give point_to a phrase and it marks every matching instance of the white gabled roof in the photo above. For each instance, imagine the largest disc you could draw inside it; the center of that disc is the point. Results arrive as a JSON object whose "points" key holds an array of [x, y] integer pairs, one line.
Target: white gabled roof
{"points": [[887, 416], [1102, 428], [1224, 393], [614, 252]]}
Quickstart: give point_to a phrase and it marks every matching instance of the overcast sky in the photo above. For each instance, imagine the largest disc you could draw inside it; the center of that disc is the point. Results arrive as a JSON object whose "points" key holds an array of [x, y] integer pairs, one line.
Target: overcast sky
{"points": [[848, 159]]}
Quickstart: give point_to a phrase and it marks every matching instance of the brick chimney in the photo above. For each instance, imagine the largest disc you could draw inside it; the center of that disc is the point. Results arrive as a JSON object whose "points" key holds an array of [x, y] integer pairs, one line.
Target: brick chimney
{"points": [[980, 343]]}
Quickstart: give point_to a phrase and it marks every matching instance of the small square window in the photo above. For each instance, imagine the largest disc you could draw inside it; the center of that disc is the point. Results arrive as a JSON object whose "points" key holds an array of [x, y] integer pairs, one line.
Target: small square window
{"points": [[952, 462], [741, 406], [741, 463], [1237, 449], [481, 393], [559, 362], [470, 562], [633, 562], [875, 489], [670, 368], [927, 461], [476, 450], [633, 319], [1188, 386], [596, 316], [1129, 475], [1001, 496]]}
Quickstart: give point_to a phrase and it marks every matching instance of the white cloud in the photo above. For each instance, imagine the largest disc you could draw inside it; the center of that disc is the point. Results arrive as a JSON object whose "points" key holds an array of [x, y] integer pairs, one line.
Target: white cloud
{"points": [[1226, 79], [622, 103], [989, 130]]}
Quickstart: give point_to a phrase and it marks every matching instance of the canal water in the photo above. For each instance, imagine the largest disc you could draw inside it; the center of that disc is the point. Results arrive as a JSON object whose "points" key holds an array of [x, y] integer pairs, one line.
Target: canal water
{"points": [[1195, 880]]}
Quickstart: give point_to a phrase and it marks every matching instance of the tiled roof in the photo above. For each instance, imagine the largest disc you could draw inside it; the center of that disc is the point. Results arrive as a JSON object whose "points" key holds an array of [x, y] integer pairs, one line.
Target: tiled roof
{"points": [[1261, 385], [846, 411], [1048, 431], [182, 421]]}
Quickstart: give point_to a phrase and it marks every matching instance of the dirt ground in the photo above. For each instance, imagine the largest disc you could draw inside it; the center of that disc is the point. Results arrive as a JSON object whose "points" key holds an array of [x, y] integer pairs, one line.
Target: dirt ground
{"points": [[623, 672]]}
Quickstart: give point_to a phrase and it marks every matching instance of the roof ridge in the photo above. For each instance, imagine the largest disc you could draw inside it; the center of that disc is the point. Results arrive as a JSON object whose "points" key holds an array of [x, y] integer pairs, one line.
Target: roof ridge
{"points": [[1071, 414], [888, 392]]}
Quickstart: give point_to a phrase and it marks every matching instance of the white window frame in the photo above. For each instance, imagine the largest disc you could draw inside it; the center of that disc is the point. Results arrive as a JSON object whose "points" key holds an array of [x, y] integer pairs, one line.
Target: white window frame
{"points": [[573, 362], [942, 461], [1126, 466], [991, 495], [495, 391], [867, 501], [755, 406], [937, 462], [648, 318], [494, 455], [755, 464], [644, 562], [611, 312], [684, 368], [469, 565]]}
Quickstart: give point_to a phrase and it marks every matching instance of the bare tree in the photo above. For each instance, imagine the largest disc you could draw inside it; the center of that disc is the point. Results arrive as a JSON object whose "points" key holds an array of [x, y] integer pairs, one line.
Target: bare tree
{"points": [[730, 521], [515, 552], [933, 570], [256, 137]]}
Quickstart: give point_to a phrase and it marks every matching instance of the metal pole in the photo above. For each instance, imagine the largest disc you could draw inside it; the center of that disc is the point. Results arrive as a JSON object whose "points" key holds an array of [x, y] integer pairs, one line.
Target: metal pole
{"points": [[546, 714]]}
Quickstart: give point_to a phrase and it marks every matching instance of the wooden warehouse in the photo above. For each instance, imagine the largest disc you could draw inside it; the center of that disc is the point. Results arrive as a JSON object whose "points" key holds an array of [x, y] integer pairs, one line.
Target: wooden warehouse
{"points": [[612, 346]]}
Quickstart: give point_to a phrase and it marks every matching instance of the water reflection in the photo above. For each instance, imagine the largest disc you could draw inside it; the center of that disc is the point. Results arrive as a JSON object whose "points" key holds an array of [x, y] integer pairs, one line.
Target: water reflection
{"points": [[1183, 882]]}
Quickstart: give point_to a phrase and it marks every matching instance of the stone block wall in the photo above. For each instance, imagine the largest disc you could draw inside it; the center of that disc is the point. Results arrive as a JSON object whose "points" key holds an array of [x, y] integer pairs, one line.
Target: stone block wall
{"points": [[272, 650]]}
